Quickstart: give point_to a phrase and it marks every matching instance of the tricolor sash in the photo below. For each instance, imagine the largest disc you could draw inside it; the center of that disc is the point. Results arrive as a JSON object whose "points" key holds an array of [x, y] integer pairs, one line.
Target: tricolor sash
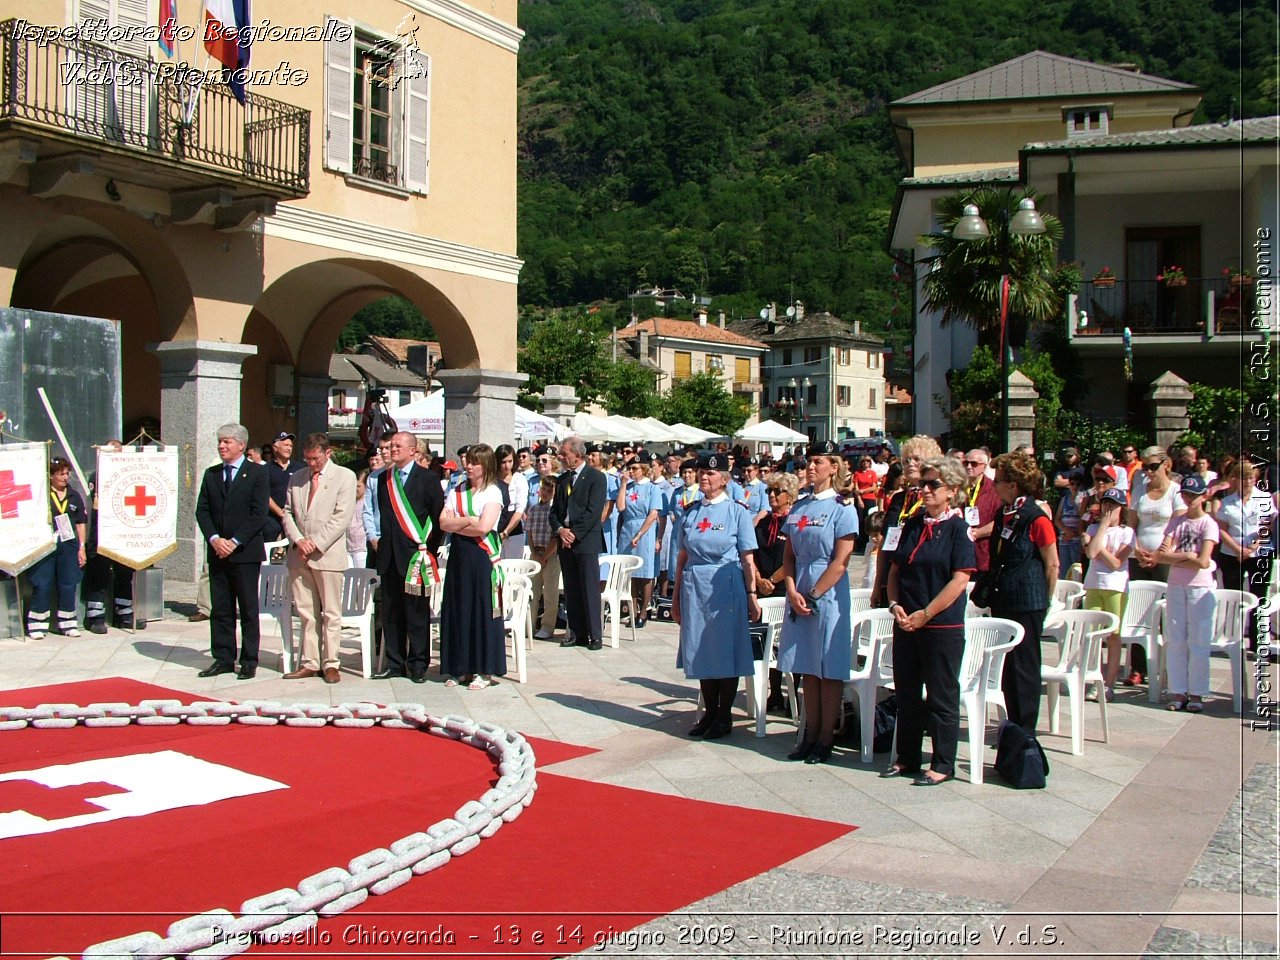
{"points": [[422, 565], [490, 543]]}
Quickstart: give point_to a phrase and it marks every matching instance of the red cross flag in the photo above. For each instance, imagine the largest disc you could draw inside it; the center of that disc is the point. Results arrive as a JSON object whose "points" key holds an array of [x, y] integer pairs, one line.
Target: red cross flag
{"points": [[26, 533], [136, 495]]}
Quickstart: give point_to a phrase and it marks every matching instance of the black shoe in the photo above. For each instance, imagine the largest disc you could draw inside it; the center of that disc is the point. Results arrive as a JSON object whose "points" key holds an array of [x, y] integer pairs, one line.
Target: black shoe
{"points": [[802, 752], [924, 781], [247, 673], [897, 771], [719, 730], [97, 625], [125, 622], [595, 645], [568, 642], [700, 728], [216, 669], [387, 674], [639, 623], [821, 754], [418, 675]]}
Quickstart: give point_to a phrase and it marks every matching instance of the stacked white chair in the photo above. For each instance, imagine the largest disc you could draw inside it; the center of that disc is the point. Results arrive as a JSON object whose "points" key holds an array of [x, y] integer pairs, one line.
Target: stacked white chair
{"points": [[772, 610], [516, 594], [1140, 626], [1079, 664], [617, 591], [524, 568], [358, 587], [872, 642], [1229, 618], [275, 602], [986, 642]]}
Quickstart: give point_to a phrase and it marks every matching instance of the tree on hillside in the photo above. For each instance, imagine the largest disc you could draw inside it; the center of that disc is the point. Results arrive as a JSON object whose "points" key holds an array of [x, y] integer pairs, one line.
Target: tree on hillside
{"points": [[392, 316], [702, 401], [569, 349], [964, 278]]}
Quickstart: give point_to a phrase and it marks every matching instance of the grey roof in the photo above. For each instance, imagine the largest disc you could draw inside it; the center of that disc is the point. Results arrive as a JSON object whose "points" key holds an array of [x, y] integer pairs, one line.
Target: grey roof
{"points": [[1041, 74], [814, 326], [965, 177], [342, 371], [378, 372], [1258, 130]]}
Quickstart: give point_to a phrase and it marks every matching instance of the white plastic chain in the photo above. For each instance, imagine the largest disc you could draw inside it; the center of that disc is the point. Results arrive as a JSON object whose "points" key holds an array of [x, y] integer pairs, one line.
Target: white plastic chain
{"points": [[333, 891]]}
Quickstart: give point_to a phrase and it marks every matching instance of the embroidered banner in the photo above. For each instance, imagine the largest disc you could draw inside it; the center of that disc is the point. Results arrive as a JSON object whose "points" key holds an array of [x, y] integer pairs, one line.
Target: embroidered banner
{"points": [[137, 504], [26, 533]]}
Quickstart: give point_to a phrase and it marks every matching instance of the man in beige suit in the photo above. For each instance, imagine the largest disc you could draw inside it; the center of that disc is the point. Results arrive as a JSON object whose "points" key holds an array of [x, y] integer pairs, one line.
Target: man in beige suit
{"points": [[318, 509]]}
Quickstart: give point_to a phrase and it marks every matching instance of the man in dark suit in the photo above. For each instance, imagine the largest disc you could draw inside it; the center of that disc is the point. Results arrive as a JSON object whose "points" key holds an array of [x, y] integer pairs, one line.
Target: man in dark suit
{"points": [[231, 511], [575, 521], [406, 611]]}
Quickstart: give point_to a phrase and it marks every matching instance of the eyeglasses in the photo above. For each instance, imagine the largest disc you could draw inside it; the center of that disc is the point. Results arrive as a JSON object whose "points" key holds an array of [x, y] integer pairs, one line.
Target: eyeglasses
{"points": [[1152, 466], [975, 463], [1130, 450], [931, 484]]}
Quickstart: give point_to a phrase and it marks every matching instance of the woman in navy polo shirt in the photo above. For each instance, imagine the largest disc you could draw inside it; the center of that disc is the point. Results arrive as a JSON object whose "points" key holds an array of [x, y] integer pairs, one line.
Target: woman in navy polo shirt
{"points": [[930, 568]]}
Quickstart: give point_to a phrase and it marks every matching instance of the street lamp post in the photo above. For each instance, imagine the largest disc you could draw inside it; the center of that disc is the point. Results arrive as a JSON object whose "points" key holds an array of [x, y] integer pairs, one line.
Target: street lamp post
{"points": [[1025, 223]]}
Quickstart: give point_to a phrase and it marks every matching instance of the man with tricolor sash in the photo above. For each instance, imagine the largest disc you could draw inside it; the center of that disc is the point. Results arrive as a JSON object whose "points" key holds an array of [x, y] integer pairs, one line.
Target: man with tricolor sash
{"points": [[409, 502]]}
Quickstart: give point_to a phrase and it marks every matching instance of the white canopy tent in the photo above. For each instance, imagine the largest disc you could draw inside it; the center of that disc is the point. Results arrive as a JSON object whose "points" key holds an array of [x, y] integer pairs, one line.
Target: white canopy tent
{"points": [[687, 434], [658, 432], [589, 427], [768, 431]]}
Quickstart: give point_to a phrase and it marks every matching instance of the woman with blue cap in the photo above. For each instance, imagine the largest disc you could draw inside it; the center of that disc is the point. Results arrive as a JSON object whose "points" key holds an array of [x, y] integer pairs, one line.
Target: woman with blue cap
{"points": [[639, 502]]}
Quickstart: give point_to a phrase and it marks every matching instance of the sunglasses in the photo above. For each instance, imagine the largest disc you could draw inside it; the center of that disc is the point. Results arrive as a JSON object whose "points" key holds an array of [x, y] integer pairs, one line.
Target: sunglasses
{"points": [[975, 463], [1152, 466], [931, 484], [1130, 450]]}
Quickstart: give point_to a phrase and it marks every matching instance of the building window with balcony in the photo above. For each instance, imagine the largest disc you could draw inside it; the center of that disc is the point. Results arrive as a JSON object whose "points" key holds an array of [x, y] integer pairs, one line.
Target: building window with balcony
{"points": [[842, 396], [377, 109], [338, 400], [742, 369], [684, 365]]}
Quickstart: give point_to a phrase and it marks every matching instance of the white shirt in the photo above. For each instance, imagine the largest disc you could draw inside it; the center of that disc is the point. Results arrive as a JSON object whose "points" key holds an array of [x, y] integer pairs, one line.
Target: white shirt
{"points": [[880, 468], [1100, 576], [1154, 516], [1243, 520]]}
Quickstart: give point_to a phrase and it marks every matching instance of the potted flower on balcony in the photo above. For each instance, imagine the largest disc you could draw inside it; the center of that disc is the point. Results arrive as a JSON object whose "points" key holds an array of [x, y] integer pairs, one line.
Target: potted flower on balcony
{"points": [[1238, 278], [1104, 278], [1172, 277]]}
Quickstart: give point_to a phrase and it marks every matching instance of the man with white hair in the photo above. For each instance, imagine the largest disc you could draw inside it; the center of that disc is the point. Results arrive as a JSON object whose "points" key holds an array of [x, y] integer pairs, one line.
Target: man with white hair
{"points": [[576, 522], [231, 511]]}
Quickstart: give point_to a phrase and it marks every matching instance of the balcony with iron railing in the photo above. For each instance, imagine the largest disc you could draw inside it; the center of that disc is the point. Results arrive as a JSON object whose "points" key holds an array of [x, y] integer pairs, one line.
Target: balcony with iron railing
{"points": [[1198, 310], [89, 108]]}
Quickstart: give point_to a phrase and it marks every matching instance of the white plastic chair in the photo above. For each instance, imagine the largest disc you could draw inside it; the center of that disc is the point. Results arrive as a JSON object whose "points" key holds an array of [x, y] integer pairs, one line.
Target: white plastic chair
{"points": [[275, 602], [358, 588], [1069, 593], [859, 600], [1229, 619], [1079, 664], [524, 568], [275, 545], [516, 594], [772, 610], [1140, 626], [986, 641], [871, 635], [617, 591]]}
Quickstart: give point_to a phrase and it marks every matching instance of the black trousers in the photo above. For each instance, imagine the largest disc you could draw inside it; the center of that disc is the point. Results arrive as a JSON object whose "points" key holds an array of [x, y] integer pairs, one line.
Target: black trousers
{"points": [[233, 591], [581, 572], [406, 625], [1021, 679], [106, 584], [926, 679]]}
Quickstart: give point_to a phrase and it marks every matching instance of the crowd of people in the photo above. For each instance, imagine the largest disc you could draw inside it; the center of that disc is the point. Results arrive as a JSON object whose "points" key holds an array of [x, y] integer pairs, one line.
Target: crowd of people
{"points": [[715, 530]]}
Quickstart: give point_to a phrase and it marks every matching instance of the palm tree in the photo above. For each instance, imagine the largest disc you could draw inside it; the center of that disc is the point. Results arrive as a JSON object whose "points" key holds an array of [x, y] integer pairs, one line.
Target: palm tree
{"points": [[963, 282]]}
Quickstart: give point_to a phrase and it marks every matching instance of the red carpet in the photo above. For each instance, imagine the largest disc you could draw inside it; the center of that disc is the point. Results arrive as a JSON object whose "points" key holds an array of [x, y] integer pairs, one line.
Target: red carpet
{"points": [[583, 859]]}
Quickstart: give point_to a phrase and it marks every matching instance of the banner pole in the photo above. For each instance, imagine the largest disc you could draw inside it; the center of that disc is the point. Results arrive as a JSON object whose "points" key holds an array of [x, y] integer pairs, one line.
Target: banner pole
{"points": [[62, 438]]}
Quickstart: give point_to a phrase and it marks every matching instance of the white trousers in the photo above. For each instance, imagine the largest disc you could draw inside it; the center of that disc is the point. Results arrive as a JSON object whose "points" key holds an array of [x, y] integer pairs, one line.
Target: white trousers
{"points": [[1186, 641]]}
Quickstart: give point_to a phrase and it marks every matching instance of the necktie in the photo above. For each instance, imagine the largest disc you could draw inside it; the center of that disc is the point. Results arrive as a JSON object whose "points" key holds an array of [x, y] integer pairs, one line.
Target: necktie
{"points": [[315, 483], [226, 477]]}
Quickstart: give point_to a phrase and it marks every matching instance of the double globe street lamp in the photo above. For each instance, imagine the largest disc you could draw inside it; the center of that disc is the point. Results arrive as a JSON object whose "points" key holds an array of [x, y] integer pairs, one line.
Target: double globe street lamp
{"points": [[1026, 222]]}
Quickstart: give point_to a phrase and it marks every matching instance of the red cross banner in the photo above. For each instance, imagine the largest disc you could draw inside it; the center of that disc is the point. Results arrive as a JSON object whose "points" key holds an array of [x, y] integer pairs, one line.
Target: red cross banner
{"points": [[137, 501], [26, 533]]}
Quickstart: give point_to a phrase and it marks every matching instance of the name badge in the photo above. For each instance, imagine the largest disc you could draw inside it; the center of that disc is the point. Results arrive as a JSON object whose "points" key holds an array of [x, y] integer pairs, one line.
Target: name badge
{"points": [[891, 538], [62, 526], [971, 517], [1006, 533]]}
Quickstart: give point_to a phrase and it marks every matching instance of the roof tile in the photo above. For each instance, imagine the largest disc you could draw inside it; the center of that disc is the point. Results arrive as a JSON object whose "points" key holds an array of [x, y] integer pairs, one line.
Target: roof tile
{"points": [[688, 330]]}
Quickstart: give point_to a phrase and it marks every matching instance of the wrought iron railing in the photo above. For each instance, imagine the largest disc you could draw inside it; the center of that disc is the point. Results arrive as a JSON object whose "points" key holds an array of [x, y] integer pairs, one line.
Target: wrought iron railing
{"points": [[1157, 308], [103, 94]]}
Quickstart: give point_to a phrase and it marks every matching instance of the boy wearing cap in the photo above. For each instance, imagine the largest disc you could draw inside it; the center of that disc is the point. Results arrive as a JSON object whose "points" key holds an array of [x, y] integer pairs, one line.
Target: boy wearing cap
{"points": [[1108, 544], [1187, 548]]}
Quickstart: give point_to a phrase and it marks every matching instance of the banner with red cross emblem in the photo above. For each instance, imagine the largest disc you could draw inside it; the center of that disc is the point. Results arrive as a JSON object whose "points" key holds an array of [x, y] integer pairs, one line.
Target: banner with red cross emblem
{"points": [[137, 502], [26, 533]]}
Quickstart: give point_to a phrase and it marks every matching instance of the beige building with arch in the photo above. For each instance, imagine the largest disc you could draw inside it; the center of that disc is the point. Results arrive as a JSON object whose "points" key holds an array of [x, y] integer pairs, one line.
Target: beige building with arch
{"points": [[233, 242]]}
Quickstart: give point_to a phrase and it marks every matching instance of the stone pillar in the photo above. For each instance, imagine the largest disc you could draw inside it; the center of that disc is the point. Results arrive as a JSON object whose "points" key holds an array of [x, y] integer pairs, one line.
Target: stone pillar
{"points": [[199, 392], [1022, 410], [313, 405], [560, 403], [1169, 396], [479, 406]]}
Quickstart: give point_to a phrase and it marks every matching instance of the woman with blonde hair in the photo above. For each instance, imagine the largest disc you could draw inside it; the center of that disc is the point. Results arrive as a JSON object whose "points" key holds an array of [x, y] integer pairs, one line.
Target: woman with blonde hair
{"points": [[905, 503]]}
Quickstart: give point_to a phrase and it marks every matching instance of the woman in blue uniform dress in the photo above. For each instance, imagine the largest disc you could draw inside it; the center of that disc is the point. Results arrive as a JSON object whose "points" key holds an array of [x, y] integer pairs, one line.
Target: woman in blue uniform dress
{"points": [[639, 502], [715, 596], [683, 496], [817, 635]]}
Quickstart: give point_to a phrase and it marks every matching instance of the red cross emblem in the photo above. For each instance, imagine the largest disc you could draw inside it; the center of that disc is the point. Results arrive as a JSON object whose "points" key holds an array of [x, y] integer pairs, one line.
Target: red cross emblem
{"points": [[53, 803], [633, 497], [140, 500], [703, 525], [11, 494], [802, 522]]}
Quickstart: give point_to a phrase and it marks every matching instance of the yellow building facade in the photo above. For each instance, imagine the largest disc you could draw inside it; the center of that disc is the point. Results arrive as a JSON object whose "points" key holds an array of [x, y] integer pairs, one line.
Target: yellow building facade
{"points": [[375, 154]]}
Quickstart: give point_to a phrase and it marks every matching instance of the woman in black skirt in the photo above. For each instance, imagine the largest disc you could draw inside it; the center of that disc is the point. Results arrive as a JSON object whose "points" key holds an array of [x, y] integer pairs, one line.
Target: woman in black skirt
{"points": [[472, 647]]}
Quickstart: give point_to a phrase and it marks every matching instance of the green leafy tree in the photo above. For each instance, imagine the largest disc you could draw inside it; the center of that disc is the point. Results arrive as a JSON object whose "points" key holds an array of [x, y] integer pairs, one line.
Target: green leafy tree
{"points": [[631, 390], [964, 278], [702, 401], [568, 348], [392, 316]]}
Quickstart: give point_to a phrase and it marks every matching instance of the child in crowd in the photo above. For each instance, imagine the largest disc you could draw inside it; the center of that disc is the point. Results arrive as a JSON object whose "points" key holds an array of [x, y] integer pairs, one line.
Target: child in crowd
{"points": [[875, 537], [542, 547], [1107, 544], [357, 539], [1187, 548]]}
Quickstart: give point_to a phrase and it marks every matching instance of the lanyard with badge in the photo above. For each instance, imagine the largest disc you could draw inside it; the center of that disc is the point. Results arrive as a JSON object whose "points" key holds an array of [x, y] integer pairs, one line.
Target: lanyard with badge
{"points": [[61, 520], [894, 533], [971, 516]]}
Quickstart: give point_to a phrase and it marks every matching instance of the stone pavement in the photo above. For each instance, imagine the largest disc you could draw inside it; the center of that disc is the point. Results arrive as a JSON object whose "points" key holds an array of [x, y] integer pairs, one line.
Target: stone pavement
{"points": [[1162, 842]]}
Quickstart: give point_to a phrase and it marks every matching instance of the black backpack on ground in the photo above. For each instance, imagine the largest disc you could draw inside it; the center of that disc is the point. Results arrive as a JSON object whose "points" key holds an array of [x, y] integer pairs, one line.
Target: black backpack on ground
{"points": [[1020, 759]]}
